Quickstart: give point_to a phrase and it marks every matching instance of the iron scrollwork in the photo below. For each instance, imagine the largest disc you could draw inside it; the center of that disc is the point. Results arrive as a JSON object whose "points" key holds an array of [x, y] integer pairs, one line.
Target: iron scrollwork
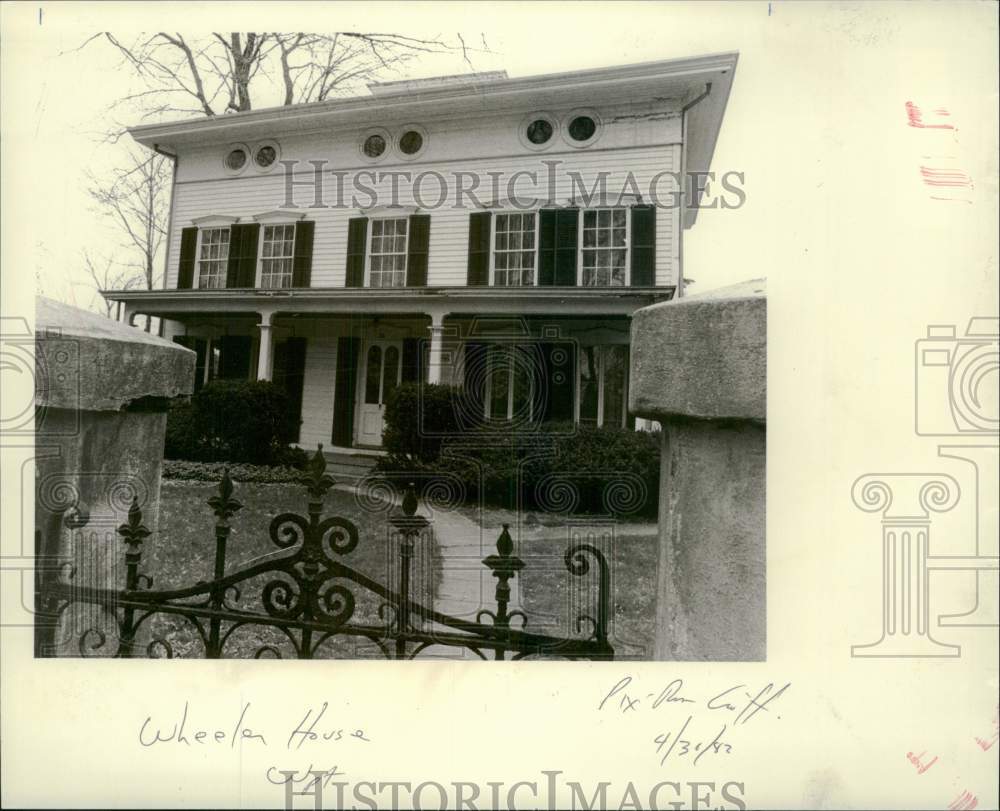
{"points": [[309, 594]]}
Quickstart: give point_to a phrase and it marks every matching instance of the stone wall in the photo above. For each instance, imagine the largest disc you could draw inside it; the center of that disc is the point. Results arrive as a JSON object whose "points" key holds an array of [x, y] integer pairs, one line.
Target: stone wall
{"points": [[699, 367], [102, 392]]}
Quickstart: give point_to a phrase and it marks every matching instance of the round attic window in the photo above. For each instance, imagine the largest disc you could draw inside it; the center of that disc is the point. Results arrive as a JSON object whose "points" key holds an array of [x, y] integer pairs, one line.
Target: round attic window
{"points": [[236, 159], [411, 142], [582, 128], [374, 146], [265, 156], [539, 131]]}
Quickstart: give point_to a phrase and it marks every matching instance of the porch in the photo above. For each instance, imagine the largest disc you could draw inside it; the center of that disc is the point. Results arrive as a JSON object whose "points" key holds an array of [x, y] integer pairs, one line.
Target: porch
{"points": [[520, 356]]}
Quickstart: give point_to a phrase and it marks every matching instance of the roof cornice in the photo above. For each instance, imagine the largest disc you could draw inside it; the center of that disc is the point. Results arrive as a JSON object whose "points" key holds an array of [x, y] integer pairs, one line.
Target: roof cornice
{"points": [[652, 79]]}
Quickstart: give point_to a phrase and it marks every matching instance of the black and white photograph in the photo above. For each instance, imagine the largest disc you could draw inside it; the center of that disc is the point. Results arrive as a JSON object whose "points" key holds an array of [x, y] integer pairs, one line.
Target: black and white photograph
{"points": [[499, 405]]}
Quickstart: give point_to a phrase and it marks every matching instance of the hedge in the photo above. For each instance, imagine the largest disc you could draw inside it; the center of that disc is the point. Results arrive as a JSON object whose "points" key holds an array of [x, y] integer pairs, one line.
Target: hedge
{"points": [[234, 421], [557, 467]]}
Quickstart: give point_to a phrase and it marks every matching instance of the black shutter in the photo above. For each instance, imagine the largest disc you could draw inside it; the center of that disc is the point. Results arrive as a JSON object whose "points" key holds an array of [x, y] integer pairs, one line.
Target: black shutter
{"points": [[357, 240], [302, 263], [566, 246], [479, 249], [185, 268], [289, 373], [241, 270], [557, 246], [345, 387], [555, 402], [411, 371], [643, 246], [200, 347], [234, 357], [419, 245]]}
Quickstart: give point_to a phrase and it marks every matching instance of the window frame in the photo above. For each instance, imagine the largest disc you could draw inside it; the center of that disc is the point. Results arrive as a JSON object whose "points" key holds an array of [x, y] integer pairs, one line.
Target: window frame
{"points": [[369, 255], [259, 270], [491, 352], [202, 230], [578, 395], [493, 236], [627, 247]]}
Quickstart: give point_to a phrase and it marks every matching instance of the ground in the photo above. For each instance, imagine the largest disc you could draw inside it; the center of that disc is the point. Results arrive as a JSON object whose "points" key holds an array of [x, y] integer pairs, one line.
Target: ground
{"points": [[182, 552]]}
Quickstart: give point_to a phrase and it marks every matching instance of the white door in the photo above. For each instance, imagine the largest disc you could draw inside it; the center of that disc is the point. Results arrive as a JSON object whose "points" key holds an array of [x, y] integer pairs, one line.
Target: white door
{"points": [[380, 374]]}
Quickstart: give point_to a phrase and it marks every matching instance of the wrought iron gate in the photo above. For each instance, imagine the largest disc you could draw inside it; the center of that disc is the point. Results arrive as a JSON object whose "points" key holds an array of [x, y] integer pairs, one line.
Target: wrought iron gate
{"points": [[310, 597]]}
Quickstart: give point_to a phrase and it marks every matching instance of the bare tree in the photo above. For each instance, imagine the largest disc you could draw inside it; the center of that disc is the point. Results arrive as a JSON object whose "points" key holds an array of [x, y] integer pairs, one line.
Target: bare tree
{"points": [[107, 274], [221, 73], [135, 200]]}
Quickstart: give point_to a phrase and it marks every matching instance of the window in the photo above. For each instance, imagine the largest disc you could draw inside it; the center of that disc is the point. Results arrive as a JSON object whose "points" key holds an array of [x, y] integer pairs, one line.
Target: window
{"points": [[514, 250], [236, 159], [582, 128], [603, 385], [277, 250], [213, 257], [388, 253], [508, 385], [265, 156], [374, 146], [605, 247], [411, 142], [539, 131]]}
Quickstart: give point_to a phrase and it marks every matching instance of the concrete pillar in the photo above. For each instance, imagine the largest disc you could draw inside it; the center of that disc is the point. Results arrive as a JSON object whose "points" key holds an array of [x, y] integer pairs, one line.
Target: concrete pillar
{"points": [[434, 360], [699, 367], [101, 397], [265, 354]]}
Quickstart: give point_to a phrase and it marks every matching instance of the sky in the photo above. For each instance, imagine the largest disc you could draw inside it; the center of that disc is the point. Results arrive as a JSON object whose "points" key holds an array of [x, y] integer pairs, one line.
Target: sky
{"points": [[815, 87]]}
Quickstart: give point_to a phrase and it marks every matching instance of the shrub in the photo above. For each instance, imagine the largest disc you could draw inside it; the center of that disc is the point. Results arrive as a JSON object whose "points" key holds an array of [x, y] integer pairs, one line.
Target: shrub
{"points": [[234, 421], [563, 468]]}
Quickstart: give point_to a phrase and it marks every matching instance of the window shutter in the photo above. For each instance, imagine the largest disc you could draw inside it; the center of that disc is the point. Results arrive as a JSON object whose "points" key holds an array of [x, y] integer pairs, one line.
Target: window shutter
{"points": [[557, 246], [480, 223], [302, 263], [411, 371], [185, 268], [289, 373], [357, 239], [566, 246], [241, 270], [344, 387], [234, 357], [416, 259], [643, 246], [474, 375], [559, 375]]}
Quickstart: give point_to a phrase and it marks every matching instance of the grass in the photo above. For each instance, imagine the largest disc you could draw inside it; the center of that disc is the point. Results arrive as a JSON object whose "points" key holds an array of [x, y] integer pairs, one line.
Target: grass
{"points": [[552, 597], [182, 552]]}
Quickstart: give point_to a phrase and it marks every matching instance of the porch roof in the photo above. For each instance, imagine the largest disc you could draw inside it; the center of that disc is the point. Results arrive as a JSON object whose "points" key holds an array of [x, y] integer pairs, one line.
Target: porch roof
{"points": [[424, 300]]}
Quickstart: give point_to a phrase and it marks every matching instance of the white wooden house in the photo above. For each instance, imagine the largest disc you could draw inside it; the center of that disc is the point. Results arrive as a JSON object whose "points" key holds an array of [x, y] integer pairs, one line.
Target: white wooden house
{"points": [[311, 245]]}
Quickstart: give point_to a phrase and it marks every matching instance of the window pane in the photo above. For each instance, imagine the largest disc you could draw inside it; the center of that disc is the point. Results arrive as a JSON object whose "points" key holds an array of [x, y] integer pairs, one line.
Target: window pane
{"points": [[373, 374], [615, 376], [390, 373]]}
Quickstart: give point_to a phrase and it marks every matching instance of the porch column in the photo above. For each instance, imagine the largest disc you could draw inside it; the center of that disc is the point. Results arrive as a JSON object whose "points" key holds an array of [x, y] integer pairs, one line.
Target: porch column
{"points": [[434, 361], [264, 362]]}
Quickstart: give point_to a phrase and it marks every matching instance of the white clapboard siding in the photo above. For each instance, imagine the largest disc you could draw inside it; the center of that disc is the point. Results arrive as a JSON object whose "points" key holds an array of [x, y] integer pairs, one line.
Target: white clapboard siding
{"points": [[634, 141], [317, 392]]}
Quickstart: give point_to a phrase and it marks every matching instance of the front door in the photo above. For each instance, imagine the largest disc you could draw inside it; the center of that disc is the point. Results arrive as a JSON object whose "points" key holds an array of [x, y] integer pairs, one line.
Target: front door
{"points": [[380, 372]]}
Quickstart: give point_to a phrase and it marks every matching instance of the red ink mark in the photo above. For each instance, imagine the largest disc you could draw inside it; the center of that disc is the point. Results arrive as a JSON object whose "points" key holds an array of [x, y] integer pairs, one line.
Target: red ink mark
{"points": [[946, 177], [987, 743], [915, 118], [915, 760], [965, 801]]}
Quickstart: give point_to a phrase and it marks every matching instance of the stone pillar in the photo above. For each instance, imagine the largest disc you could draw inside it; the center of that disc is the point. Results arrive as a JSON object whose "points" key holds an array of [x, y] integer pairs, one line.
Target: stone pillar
{"points": [[266, 351], [699, 367], [434, 358], [101, 396]]}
